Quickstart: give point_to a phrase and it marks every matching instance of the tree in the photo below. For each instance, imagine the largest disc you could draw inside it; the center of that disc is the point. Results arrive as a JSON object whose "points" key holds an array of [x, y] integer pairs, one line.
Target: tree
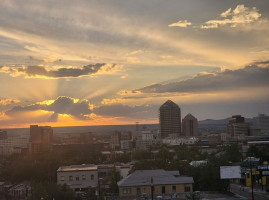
{"points": [[193, 196], [232, 153], [114, 178], [207, 178], [141, 155], [254, 151], [48, 191]]}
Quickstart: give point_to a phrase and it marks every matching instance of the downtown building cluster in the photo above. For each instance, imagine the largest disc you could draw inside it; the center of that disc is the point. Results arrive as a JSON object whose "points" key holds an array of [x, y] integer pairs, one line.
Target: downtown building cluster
{"points": [[173, 131]]}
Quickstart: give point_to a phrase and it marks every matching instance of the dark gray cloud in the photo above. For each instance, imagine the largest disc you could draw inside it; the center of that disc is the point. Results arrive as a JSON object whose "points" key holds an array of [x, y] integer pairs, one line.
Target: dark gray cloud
{"points": [[119, 110], [33, 71], [249, 76], [62, 105]]}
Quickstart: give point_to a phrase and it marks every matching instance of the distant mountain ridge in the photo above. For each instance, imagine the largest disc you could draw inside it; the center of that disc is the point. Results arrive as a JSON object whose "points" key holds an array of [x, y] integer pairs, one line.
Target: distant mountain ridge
{"points": [[220, 121]]}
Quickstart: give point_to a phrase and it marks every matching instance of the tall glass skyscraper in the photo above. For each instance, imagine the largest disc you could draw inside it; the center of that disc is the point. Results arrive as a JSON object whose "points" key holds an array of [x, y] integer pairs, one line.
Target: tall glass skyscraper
{"points": [[169, 119]]}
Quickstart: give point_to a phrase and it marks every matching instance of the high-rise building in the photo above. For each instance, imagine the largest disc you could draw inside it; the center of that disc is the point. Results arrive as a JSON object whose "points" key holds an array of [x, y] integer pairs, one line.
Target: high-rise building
{"points": [[237, 126], [261, 122], [190, 126], [169, 119], [115, 139], [40, 138]]}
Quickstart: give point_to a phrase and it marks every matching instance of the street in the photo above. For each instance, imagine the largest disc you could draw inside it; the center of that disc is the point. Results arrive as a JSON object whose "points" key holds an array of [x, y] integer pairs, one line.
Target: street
{"points": [[258, 195]]}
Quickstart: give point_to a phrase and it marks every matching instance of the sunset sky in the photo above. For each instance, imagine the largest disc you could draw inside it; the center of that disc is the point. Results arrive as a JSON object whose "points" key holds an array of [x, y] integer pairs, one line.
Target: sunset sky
{"points": [[100, 62]]}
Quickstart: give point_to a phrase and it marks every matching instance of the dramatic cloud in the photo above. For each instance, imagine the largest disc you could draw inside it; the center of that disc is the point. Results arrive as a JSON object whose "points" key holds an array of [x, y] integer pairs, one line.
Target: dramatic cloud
{"points": [[119, 110], [181, 23], [6, 102], [41, 71], [250, 76], [240, 15], [62, 105]]}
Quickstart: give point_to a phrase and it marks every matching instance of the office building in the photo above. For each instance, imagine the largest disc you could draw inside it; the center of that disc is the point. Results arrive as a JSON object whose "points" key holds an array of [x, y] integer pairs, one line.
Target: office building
{"points": [[237, 126], [189, 126], [261, 122], [169, 119], [40, 138]]}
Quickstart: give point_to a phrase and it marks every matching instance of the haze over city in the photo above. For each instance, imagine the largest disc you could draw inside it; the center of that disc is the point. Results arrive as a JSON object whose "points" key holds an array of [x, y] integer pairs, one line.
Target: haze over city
{"points": [[76, 63]]}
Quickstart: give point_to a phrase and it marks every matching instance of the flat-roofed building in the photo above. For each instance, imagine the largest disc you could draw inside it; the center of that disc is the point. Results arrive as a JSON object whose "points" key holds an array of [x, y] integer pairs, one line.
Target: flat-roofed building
{"points": [[237, 126], [40, 138], [78, 177], [261, 122], [190, 126], [164, 183], [169, 119]]}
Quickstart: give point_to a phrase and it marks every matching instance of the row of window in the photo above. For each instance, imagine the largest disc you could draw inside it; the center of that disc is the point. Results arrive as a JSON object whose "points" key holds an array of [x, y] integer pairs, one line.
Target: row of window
{"points": [[76, 178], [138, 190]]}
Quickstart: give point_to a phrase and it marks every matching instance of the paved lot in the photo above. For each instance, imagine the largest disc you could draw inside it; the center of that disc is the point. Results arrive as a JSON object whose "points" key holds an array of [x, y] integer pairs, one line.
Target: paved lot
{"points": [[246, 192]]}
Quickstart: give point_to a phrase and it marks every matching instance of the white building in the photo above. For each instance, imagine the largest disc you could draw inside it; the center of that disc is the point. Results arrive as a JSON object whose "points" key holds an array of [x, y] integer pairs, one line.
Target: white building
{"points": [[78, 177], [147, 135], [126, 144], [180, 141], [198, 163], [143, 144]]}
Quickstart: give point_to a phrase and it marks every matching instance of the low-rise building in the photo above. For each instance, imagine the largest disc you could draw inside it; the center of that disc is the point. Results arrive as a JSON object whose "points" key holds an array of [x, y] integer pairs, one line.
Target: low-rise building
{"points": [[198, 163], [143, 144], [164, 183], [21, 191], [180, 141], [78, 177], [126, 144]]}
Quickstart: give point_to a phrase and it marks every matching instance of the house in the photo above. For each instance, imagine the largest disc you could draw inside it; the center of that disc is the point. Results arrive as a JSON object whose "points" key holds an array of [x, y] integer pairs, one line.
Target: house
{"points": [[163, 183], [21, 190]]}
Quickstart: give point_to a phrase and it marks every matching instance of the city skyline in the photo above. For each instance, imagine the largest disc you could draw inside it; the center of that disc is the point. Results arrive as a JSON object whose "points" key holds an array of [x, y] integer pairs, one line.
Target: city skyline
{"points": [[85, 63]]}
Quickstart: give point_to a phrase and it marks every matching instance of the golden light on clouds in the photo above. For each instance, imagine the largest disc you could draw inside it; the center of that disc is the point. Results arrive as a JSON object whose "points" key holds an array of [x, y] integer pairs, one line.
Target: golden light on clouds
{"points": [[46, 102], [127, 58], [5, 102]]}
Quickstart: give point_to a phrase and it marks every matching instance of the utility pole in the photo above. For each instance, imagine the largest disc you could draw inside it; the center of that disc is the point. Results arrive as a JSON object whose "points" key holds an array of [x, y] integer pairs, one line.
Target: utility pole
{"points": [[252, 194], [152, 188]]}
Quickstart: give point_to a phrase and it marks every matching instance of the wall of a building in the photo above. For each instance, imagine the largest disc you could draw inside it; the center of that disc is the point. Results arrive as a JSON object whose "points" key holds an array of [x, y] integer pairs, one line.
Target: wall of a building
{"points": [[88, 182], [180, 188]]}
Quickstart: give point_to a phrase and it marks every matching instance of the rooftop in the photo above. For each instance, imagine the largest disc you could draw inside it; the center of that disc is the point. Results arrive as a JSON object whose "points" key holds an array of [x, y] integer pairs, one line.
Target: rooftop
{"points": [[159, 177], [82, 167]]}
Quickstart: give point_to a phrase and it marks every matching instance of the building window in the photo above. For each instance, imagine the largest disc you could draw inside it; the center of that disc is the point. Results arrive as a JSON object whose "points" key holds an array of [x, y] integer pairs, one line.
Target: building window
{"points": [[92, 177], [174, 189], [70, 178], [126, 191], [83, 177], [163, 189], [62, 178], [138, 191], [187, 189], [77, 178]]}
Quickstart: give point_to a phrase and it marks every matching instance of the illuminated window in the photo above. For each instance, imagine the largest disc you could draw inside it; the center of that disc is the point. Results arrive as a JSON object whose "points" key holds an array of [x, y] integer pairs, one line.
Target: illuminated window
{"points": [[62, 178], [70, 178]]}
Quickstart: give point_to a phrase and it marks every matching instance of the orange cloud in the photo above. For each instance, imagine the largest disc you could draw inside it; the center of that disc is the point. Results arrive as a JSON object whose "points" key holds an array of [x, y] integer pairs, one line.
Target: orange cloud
{"points": [[6, 102]]}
